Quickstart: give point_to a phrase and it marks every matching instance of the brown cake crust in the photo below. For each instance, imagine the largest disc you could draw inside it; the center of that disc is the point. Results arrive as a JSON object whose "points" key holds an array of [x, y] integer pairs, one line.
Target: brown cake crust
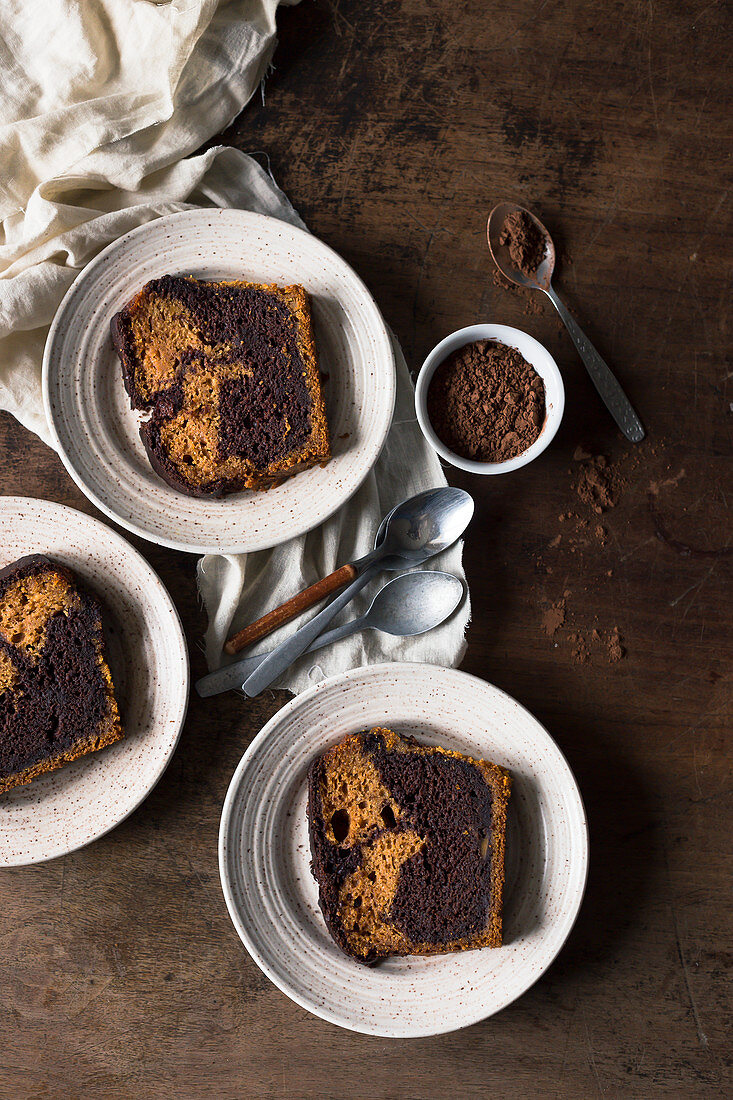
{"points": [[229, 374], [57, 699], [407, 845]]}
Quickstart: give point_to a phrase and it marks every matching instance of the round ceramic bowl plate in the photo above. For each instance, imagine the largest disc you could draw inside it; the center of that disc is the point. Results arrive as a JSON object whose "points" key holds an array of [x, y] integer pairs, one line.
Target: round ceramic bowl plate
{"points": [[534, 353], [66, 809], [264, 852], [97, 433]]}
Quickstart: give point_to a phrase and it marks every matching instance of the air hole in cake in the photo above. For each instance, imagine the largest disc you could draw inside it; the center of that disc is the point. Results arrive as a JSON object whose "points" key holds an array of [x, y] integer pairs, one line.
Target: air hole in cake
{"points": [[340, 823], [54, 729], [483, 844], [388, 817]]}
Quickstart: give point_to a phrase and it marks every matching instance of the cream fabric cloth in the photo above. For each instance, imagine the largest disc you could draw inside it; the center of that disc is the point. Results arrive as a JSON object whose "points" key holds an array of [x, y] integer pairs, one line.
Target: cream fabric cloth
{"points": [[99, 104]]}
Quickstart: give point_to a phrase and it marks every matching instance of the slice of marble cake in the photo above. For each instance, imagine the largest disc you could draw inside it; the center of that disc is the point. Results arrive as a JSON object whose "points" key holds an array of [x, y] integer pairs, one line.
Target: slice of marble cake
{"points": [[228, 373], [407, 845], [57, 699]]}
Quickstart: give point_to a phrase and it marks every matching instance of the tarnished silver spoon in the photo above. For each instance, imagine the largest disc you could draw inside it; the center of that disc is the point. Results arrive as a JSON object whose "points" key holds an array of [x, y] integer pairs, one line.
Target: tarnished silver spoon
{"points": [[603, 378], [410, 604]]}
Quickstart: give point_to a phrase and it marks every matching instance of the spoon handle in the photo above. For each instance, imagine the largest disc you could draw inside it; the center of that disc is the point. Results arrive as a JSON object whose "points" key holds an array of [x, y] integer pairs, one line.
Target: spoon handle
{"points": [[234, 675], [283, 656], [603, 379], [265, 625]]}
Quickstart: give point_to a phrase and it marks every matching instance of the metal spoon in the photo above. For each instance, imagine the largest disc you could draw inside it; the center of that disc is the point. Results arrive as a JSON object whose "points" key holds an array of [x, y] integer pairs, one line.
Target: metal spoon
{"points": [[604, 380], [408, 605], [416, 530], [317, 592]]}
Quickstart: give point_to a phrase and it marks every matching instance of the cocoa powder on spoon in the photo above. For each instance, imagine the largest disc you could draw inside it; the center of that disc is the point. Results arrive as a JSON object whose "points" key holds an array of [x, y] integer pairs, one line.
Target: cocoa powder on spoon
{"points": [[526, 243]]}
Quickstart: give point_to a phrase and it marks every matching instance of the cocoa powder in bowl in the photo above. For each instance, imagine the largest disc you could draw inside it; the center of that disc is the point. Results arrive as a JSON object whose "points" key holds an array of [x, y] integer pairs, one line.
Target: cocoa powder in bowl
{"points": [[486, 402]]}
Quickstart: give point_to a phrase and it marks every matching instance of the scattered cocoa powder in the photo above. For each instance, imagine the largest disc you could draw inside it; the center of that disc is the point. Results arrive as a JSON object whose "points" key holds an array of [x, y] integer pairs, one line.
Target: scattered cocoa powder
{"points": [[504, 284], [533, 304], [616, 650], [526, 243], [486, 402], [554, 618], [580, 652], [598, 483]]}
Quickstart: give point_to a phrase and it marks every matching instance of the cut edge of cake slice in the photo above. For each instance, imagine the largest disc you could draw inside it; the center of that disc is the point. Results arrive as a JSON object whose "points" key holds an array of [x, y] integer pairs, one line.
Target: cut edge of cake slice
{"points": [[407, 845]]}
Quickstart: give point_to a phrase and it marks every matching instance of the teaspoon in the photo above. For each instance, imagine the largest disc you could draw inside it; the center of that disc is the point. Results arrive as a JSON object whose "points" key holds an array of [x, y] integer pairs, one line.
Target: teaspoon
{"points": [[603, 378]]}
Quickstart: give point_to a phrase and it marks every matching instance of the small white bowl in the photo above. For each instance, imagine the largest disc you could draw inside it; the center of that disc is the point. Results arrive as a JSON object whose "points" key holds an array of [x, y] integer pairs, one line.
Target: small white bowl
{"points": [[534, 353]]}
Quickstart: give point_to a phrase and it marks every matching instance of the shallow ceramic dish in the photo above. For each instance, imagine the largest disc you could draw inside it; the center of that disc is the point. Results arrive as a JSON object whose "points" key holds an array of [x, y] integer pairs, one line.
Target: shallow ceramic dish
{"points": [[534, 353], [264, 852], [66, 809], [96, 431]]}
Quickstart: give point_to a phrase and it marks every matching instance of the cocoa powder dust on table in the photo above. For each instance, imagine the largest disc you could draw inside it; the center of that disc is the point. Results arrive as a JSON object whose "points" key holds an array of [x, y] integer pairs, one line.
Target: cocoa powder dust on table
{"points": [[554, 618], [616, 651], [598, 483], [526, 243], [486, 402]]}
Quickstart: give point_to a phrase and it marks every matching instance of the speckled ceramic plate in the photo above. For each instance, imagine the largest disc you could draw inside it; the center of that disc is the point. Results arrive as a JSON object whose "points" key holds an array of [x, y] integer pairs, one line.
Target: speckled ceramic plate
{"points": [[273, 900], [96, 432], [63, 811]]}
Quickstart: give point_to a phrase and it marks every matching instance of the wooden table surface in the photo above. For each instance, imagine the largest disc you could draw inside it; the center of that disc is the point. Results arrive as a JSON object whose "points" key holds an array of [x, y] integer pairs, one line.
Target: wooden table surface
{"points": [[394, 128]]}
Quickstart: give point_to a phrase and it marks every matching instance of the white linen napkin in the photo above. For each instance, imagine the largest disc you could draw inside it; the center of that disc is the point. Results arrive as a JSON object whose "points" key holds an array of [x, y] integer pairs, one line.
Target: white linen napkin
{"points": [[99, 105]]}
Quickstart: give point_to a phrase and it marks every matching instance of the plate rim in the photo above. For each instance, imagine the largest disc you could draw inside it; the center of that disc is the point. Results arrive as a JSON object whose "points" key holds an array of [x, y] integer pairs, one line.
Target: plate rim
{"points": [[446, 1026], [180, 543], [107, 532]]}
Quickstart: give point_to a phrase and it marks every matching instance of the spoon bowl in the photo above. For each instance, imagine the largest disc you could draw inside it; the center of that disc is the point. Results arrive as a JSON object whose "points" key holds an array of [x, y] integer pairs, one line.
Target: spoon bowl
{"points": [[420, 528], [541, 279], [414, 603]]}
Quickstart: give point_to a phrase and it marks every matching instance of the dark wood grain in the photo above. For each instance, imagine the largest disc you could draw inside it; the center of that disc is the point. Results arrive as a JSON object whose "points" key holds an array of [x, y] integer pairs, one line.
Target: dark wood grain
{"points": [[394, 127]]}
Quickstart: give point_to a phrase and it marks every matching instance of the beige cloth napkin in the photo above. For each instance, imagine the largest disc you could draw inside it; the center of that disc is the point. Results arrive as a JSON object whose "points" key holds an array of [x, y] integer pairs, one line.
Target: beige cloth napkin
{"points": [[99, 105]]}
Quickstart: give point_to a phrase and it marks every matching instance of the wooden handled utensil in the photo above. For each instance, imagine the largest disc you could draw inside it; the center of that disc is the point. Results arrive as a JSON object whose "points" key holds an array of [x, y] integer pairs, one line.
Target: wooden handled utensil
{"points": [[265, 625]]}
